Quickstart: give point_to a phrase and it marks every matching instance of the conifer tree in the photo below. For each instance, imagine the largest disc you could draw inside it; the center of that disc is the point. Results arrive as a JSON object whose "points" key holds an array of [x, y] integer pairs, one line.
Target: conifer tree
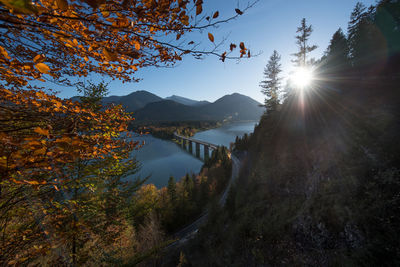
{"points": [[304, 33], [98, 195], [354, 31], [367, 45], [172, 189], [337, 55], [93, 94], [271, 85], [338, 46]]}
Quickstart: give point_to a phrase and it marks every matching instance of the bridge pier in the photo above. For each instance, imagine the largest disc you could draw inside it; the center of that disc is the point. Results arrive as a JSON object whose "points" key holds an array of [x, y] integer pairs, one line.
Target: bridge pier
{"points": [[183, 144], [187, 144], [198, 150], [190, 146], [206, 152]]}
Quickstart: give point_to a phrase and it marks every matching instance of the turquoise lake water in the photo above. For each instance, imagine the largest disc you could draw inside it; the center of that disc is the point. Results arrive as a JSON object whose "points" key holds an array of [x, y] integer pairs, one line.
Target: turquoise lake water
{"points": [[161, 159]]}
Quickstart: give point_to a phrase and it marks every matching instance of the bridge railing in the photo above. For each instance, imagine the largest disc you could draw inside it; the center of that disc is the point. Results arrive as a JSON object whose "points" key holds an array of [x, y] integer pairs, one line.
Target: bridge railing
{"points": [[206, 145], [196, 141]]}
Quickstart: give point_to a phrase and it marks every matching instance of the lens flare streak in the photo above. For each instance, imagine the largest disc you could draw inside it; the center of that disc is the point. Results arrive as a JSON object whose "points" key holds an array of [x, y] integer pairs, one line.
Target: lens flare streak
{"points": [[302, 77]]}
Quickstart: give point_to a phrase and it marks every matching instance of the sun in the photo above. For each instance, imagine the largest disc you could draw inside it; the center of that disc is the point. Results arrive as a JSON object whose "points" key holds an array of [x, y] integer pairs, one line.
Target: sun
{"points": [[302, 77]]}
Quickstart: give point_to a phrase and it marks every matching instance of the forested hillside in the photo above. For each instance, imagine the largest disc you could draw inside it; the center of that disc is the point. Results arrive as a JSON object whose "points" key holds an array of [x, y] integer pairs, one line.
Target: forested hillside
{"points": [[187, 101], [133, 101], [149, 108], [234, 107], [321, 182]]}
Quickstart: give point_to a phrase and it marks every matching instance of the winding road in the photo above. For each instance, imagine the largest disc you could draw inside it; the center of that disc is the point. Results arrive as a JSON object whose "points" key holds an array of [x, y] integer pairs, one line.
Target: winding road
{"points": [[191, 230]]}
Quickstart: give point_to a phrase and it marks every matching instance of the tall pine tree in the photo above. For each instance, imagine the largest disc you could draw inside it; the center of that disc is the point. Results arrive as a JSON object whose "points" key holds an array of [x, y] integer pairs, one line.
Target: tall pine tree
{"points": [[304, 33], [336, 57], [272, 83], [355, 31]]}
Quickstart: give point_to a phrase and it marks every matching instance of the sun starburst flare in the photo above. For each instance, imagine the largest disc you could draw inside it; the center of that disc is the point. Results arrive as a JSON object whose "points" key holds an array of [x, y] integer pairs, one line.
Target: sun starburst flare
{"points": [[302, 77]]}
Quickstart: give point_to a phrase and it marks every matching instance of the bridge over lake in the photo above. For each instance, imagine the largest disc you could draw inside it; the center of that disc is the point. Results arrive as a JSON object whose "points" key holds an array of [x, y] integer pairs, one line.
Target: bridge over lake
{"points": [[187, 144]]}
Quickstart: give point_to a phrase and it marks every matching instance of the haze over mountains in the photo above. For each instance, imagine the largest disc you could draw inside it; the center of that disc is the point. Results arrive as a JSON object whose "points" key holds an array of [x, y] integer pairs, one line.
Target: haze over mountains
{"points": [[150, 107], [187, 101], [133, 101]]}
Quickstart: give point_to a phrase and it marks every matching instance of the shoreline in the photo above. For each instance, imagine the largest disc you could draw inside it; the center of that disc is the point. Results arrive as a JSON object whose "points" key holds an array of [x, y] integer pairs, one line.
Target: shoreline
{"points": [[161, 180]]}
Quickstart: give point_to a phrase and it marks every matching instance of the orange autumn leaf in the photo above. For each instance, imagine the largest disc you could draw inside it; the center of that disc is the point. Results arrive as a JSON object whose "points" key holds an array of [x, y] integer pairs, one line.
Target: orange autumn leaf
{"points": [[211, 37], [6, 91], [238, 11], [40, 151], [199, 9], [216, 14], [36, 58], [110, 56], [15, 181], [62, 4], [58, 104], [223, 57], [43, 68], [4, 52], [41, 131], [105, 14], [32, 182], [137, 46], [34, 143]]}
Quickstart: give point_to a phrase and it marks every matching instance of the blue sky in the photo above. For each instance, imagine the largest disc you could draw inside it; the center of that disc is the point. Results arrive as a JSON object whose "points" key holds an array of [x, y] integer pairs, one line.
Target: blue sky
{"points": [[270, 25]]}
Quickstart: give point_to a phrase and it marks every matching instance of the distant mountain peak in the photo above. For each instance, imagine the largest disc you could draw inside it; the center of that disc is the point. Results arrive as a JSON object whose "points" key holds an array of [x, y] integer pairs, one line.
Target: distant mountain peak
{"points": [[236, 95], [150, 107], [233, 107], [186, 101], [133, 101]]}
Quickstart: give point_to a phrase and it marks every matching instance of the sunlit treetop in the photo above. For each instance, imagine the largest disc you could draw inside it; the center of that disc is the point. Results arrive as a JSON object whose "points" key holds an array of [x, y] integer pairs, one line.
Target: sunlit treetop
{"points": [[58, 39]]}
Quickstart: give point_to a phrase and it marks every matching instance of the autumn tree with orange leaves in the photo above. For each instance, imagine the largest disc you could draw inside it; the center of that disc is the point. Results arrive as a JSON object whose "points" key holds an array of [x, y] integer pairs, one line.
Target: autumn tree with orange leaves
{"points": [[53, 149], [54, 40]]}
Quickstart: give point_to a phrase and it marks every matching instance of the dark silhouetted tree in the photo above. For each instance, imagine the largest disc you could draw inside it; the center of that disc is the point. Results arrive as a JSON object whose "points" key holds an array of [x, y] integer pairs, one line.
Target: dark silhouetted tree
{"points": [[336, 56], [387, 20], [172, 189], [354, 31]]}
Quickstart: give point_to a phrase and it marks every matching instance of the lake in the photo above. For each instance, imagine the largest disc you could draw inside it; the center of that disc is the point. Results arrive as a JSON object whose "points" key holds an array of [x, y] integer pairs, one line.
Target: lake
{"points": [[161, 159], [226, 134]]}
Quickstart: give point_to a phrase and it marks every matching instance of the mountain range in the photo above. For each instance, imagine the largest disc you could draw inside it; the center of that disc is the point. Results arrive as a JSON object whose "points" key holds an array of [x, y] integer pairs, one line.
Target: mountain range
{"points": [[150, 107], [187, 101]]}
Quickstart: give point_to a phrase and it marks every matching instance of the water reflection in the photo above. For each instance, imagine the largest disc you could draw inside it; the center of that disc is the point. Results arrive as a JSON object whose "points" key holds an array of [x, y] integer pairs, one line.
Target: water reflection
{"points": [[161, 159]]}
